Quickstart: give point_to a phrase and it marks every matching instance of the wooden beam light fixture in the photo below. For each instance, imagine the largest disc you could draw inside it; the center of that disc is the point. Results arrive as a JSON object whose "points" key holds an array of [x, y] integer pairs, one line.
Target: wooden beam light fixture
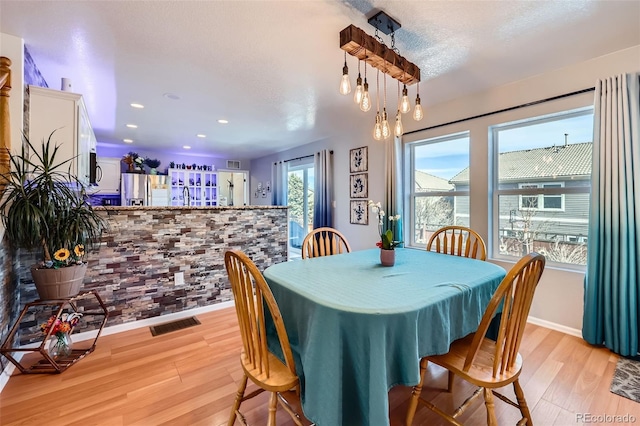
{"points": [[357, 43], [373, 51]]}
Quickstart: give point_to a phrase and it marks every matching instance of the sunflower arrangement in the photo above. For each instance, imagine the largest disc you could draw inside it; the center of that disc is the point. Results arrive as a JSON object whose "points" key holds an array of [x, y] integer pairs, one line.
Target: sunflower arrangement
{"points": [[46, 207], [65, 257]]}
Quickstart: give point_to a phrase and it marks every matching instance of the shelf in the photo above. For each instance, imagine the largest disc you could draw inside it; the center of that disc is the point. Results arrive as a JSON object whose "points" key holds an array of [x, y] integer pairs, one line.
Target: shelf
{"points": [[37, 360]]}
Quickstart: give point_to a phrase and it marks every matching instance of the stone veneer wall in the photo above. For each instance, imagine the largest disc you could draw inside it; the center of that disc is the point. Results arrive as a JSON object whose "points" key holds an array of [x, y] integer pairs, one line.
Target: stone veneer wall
{"points": [[9, 297], [134, 270]]}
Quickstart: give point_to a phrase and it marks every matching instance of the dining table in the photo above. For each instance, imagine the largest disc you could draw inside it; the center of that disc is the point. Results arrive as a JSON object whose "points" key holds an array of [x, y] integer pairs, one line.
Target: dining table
{"points": [[357, 328]]}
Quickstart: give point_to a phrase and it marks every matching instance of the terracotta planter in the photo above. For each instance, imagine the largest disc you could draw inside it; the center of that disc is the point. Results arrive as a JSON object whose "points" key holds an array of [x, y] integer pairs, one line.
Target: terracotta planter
{"points": [[387, 257], [58, 283]]}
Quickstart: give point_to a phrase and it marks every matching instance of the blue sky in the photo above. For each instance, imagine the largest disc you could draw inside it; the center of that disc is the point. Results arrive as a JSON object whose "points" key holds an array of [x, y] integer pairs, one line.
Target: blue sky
{"points": [[446, 159]]}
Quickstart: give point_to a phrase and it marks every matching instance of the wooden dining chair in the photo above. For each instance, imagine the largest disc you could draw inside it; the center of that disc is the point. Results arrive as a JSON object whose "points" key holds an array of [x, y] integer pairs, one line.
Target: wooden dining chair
{"points": [[251, 296], [486, 363], [324, 242], [458, 241]]}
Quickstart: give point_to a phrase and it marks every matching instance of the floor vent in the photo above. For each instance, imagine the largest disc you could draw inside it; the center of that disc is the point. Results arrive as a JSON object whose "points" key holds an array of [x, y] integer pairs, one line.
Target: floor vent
{"points": [[168, 327]]}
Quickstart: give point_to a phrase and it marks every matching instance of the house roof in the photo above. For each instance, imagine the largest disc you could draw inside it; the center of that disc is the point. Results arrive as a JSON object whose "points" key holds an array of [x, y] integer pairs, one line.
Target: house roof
{"points": [[573, 160], [429, 182]]}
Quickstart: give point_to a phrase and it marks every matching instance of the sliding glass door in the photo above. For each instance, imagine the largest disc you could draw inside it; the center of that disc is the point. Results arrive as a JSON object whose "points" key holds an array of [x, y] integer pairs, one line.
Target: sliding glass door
{"points": [[300, 178]]}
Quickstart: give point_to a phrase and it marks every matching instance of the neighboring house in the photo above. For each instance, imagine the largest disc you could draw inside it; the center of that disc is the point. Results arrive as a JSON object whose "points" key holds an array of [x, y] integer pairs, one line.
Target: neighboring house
{"points": [[548, 217], [428, 182]]}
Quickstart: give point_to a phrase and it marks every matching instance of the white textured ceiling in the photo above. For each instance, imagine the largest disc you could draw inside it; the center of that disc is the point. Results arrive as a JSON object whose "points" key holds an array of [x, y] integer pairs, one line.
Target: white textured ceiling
{"points": [[272, 68]]}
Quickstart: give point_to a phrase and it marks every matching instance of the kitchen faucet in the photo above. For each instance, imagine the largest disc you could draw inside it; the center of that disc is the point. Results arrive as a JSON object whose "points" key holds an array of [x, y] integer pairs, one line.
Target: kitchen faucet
{"points": [[186, 197]]}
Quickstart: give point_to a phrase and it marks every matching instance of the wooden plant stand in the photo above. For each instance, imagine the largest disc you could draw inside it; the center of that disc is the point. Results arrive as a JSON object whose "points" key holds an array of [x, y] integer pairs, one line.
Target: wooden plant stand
{"points": [[37, 359]]}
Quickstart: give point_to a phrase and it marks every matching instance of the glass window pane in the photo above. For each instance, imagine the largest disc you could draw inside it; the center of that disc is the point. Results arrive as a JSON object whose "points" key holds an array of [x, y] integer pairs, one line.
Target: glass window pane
{"points": [[432, 213], [523, 231], [436, 163]]}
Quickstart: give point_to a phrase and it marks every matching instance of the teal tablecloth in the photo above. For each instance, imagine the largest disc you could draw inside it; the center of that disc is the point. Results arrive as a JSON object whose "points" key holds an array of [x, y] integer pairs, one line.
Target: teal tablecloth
{"points": [[357, 328]]}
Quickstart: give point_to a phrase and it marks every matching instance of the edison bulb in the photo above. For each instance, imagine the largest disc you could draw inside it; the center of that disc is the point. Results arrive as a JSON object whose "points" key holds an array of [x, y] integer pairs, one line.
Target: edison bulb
{"points": [[405, 105], [365, 104], [357, 97], [398, 128], [377, 129], [386, 131], [345, 85], [417, 111]]}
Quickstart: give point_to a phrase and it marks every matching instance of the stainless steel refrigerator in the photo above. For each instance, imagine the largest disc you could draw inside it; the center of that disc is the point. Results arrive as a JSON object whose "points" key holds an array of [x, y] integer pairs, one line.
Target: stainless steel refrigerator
{"points": [[144, 190]]}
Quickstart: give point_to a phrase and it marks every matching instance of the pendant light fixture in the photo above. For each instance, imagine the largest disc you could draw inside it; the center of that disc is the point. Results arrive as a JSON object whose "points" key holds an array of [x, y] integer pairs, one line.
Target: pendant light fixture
{"points": [[357, 96], [377, 129], [405, 105], [398, 130], [365, 104], [386, 131], [345, 84], [417, 111], [387, 59]]}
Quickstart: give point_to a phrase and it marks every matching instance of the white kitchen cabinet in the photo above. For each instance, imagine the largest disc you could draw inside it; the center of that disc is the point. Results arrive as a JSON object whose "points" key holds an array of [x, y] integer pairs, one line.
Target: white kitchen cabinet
{"points": [[193, 187], [108, 175], [64, 112]]}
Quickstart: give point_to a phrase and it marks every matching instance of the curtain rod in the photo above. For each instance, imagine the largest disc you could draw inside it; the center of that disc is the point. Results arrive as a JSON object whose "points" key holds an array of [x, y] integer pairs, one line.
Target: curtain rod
{"points": [[528, 104], [300, 158]]}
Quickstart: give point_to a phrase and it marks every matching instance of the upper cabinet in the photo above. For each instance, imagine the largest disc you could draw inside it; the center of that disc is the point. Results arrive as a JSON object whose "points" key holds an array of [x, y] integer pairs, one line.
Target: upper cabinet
{"points": [[64, 112]]}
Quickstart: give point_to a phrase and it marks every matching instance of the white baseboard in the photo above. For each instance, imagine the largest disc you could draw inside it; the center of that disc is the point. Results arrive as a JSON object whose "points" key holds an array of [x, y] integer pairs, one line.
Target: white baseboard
{"points": [[557, 327], [79, 337]]}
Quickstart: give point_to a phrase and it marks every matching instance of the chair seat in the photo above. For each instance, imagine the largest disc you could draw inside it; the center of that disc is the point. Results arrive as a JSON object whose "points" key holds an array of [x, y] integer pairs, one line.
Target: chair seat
{"points": [[280, 377], [481, 371]]}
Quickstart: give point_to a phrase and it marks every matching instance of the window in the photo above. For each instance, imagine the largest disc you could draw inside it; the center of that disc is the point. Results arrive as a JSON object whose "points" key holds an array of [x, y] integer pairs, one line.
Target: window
{"points": [[542, 201], [439, 176], [541, 183]]}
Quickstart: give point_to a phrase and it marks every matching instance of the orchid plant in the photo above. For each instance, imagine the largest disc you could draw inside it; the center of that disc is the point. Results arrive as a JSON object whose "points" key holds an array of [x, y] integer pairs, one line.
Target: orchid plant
{"points": [[386, 233]]}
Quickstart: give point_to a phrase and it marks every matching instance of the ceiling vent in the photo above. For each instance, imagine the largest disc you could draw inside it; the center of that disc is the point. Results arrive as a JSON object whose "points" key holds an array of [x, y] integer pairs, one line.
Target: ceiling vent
{"points": [[233, 164]]}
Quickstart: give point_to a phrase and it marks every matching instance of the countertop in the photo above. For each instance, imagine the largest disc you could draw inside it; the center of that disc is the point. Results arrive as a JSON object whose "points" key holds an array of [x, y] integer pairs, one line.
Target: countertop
{"points": [[112, 208]]}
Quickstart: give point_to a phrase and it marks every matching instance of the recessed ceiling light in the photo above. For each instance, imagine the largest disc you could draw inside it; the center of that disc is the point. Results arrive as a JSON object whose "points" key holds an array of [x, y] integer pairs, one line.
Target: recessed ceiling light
{"points": [[171, 96], [132, 126], [200, 135], [127, 140], [137, 105], [186, 146], [223, 121]]}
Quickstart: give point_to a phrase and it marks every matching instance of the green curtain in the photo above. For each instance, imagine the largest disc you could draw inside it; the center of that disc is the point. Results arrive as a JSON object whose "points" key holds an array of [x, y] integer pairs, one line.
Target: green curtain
{"points": [[612, 280]]}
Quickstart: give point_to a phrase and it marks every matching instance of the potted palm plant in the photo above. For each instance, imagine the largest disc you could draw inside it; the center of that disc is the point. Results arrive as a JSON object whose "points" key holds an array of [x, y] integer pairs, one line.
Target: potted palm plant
{"points": [[44, 207]]}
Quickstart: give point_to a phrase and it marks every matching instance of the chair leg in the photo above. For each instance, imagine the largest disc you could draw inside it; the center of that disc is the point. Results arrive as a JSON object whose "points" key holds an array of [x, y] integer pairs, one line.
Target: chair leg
{"points": [[273, 405], [415, 393], [522, 403], [239, 396], [491, 413], [450, 382]]}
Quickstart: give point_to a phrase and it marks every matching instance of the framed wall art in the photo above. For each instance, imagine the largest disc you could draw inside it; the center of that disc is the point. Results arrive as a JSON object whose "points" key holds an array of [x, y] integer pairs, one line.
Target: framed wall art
{"points": [[358, 160], [359, 185], [359, 212]]}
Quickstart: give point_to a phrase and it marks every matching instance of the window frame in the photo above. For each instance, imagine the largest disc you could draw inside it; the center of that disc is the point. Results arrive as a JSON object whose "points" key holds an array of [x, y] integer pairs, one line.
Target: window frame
{"points": [[413, 195], [494, 187]]}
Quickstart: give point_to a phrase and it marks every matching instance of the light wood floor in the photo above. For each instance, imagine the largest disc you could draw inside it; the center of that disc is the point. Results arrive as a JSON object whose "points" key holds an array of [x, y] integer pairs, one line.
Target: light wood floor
{"points": [[189, 377]]}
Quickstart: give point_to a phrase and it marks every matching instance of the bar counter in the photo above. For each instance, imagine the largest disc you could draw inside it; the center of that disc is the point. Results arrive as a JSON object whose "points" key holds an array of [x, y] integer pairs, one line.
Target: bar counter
{"points": [[145, 247]]}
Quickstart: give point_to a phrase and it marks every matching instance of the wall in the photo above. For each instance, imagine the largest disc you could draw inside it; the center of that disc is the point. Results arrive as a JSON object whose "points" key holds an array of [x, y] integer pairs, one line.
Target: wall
{"points": [[144, 247], [560, 294]]}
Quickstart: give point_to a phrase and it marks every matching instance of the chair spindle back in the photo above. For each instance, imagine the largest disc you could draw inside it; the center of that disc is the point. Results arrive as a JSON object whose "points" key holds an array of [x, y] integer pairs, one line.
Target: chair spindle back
{"points": [[458, 241], [514, 295], [324, 242]]}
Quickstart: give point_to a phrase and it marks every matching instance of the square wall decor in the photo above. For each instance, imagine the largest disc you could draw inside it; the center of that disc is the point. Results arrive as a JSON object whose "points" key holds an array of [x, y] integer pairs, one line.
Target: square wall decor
{"points": [[359, 185], [359, 212], [358, 161]]}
